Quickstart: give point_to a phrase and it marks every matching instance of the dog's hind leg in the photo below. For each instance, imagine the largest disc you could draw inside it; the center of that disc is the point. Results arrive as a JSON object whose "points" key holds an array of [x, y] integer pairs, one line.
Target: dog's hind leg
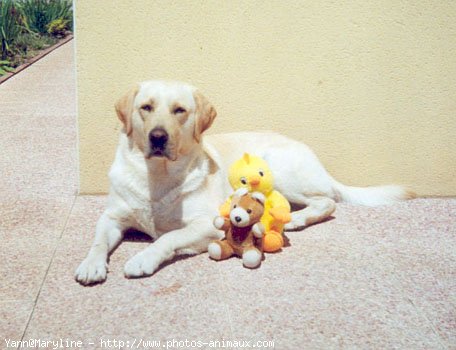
{"points": [[318, 208]]}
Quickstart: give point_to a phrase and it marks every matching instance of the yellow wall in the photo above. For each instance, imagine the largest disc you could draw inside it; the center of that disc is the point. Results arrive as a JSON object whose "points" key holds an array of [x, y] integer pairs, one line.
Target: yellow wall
{"points": [[369, 85]]}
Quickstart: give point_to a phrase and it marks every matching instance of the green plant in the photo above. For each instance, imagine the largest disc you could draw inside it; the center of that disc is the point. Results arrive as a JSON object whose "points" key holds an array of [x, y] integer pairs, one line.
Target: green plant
{"points": [[57, 27], [34, 15], [37, 15], [9, 27], [63, 10], [5, 67], [33, 41]]}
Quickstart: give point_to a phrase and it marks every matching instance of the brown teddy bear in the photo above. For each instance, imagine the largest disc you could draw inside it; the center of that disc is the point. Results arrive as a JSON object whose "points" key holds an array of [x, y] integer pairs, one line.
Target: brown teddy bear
{"points": [[243, 230]]}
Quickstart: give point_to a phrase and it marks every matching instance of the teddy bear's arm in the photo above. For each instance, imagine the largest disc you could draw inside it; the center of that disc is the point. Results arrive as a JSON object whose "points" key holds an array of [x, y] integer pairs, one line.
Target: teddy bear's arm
{"points": [[258, 230], [221, 223]]}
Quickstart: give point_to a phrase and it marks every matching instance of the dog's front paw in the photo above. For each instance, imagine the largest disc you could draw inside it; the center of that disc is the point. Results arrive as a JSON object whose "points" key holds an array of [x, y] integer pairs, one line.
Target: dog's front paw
{"points": [[141, 264], [92, 270]]}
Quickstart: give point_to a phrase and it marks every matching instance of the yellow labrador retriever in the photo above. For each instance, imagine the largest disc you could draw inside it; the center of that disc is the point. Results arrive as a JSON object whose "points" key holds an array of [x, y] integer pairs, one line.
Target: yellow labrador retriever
{"points": [[168, 182]]}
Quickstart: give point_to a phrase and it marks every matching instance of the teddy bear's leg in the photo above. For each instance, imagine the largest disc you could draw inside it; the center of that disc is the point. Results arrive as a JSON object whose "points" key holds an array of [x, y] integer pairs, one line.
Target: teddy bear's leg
{"points": [[273, 241], [220, 250], [251, 257]]}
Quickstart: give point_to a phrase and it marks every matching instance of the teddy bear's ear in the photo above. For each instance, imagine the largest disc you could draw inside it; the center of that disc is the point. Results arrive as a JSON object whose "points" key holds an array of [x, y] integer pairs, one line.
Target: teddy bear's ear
{"points": [[240, 192], [259, 197]]}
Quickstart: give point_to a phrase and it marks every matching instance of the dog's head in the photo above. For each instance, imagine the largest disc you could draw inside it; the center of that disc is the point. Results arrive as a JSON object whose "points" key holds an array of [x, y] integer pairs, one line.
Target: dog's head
{"points": [[165, 119]]}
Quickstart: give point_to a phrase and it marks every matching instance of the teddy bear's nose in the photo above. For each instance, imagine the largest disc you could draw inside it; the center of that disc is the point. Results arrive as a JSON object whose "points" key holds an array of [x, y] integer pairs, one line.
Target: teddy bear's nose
{"points": [[238, 219]]}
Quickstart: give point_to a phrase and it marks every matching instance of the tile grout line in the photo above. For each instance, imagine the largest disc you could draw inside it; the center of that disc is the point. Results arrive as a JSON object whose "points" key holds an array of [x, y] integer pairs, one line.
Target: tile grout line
{"points": [[430, 323], [48, 268]]}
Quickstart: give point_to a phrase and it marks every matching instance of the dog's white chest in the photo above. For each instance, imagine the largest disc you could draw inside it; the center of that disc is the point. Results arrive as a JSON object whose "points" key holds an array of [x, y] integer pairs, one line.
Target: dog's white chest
{"points": [[161, 198], [156, 218], [167, 216]]}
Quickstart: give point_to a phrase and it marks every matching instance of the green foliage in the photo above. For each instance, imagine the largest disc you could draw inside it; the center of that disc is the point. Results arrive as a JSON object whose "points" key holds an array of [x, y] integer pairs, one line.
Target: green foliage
{"points": [[5, 67], [28, 26], [33, 15], [57, 27], [9, 26], [37, 15], [32, 41]]}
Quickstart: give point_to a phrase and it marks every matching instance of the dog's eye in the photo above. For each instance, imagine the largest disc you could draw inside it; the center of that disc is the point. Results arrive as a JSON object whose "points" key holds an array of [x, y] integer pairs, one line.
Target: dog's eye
{"points": [[147, 108], [249, 211], [235, 206], [261, 172], [179, 110], [243, 180]]}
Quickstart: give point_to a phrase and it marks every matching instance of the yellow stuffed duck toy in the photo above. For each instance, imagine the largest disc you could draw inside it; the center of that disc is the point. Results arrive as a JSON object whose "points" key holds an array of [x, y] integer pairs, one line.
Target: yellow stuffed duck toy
{"points": [[254, 174]]}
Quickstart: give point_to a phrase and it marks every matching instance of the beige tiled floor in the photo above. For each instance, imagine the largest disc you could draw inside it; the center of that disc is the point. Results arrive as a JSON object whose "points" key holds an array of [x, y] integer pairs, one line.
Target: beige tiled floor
{"points": [[371, 278]]}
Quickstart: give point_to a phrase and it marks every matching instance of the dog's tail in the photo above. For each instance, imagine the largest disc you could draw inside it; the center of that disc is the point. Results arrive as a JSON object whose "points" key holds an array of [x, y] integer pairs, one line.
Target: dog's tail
{"points": [[372, 196]]}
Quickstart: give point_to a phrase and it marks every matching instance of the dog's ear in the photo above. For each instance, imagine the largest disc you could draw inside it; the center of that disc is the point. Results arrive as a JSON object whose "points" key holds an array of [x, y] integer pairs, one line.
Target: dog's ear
{"points": [[124, 109], [205, 114]]}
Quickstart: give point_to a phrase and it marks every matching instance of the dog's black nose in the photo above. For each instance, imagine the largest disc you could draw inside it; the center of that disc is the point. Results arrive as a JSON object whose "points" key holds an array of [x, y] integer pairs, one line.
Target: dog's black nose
{"points": [[158, 138], [238, 219]]}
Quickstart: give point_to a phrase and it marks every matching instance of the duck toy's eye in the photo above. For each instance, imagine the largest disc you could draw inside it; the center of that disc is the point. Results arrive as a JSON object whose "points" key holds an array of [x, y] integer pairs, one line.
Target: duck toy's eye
{"points": [[243, 180], [261, 172]]}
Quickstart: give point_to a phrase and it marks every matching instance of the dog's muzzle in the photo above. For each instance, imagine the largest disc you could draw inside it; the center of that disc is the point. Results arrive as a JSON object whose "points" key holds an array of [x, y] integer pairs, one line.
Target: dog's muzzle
{"points": [[158, 141]]}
